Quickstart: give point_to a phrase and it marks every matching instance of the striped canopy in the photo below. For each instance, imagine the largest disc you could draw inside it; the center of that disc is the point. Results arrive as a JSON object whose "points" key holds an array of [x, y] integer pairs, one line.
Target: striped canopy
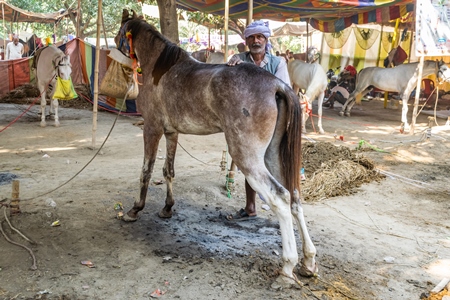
{"points": [[324, 15]]}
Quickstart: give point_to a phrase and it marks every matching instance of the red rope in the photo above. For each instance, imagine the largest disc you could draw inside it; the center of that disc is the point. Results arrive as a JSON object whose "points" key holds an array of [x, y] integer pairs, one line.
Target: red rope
{"points": [[29, 107]]}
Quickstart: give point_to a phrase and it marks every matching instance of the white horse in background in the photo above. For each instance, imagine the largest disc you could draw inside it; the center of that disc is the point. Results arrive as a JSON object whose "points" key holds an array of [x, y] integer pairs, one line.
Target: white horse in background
{"points": [[313, 79], [215, 58], [401, 79], [50, 63]]}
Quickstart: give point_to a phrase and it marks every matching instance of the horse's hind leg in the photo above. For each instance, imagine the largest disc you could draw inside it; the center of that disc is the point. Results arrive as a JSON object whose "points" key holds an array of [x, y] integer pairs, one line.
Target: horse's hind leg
{"points": [[308, 266], [279, 200], [43, 105], [319, 112], [151, 141], [169, 173], [54, 109]]}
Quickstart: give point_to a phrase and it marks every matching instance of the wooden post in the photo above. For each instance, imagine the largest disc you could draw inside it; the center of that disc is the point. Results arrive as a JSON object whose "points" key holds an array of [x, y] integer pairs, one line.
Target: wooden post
{"points": [[96, 66], [417, 96], [14, 206], [227, 11], [430, 125]]}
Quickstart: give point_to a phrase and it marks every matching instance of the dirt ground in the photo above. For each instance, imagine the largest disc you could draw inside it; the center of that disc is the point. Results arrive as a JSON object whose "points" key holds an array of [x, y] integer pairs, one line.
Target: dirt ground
{"points": [[387, 239]]}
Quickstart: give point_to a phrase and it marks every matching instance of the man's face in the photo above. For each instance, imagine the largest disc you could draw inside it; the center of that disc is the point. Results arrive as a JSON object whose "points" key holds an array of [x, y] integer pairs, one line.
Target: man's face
{"points": [[16, 41], [256, 43]]}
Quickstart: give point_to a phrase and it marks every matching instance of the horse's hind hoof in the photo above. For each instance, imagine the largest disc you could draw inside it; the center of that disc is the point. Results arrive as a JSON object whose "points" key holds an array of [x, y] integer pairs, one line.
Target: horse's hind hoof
{"points": [[127, 218], [307, 272], [164, 214], [341, 113], [286, 282], [347, 114]]}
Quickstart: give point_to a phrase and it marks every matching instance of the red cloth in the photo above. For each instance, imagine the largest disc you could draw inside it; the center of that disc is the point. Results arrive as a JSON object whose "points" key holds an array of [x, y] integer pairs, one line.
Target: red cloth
{"points": [[351, 69], [400, 56]]}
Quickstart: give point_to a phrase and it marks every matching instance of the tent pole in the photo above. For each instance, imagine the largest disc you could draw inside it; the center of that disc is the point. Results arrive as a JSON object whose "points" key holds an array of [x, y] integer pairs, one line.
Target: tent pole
{"points": [[225, 28], [417, 96], [104, 32], [250, 12], [78, 19], [393, 43], [97, 62], [4, 28], [380, 45]]}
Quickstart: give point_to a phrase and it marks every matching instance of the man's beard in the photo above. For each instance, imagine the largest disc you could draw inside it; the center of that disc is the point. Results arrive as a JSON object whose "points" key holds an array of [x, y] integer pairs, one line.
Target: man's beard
{"points": [[257, 48]]}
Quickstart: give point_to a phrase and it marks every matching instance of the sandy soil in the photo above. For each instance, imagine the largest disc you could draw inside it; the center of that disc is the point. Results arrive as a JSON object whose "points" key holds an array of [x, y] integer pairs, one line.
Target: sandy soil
{"points": [[386, 240]]}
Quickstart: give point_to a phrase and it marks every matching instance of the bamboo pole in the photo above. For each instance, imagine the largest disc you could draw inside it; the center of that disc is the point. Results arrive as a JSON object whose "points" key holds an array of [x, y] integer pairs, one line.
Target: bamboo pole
{"points": [[227, 12], [4, 28], [417, 96], [96, 66], [394, 39], [250, 12]]}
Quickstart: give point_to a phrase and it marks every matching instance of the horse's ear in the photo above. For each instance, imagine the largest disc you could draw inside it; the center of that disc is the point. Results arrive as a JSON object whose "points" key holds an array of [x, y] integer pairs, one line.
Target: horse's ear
{"points": [[135, 16], [125, 15]]}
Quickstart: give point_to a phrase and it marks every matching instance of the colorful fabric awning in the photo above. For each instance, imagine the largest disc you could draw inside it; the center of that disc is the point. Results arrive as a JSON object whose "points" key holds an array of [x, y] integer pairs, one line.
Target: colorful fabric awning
{"points": [[324, 15]]}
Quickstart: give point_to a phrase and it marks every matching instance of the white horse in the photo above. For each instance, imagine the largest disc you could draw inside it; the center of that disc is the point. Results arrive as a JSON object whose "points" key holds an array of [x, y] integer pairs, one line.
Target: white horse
{"points": [[50, 63], [401, 79], [313, 79], [215, 58]]}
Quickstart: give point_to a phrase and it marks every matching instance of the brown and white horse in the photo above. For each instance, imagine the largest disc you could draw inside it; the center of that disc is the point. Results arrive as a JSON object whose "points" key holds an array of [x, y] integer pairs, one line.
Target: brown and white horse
{"points": [[258, 113]]}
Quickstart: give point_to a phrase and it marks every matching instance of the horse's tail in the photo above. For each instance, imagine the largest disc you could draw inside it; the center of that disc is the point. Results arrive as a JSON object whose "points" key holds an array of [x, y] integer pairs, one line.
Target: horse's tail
{"points": [[289, 117]]}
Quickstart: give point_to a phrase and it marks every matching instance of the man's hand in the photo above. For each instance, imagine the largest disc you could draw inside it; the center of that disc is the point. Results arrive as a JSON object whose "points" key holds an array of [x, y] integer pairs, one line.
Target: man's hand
{"points": [[234, 60]]}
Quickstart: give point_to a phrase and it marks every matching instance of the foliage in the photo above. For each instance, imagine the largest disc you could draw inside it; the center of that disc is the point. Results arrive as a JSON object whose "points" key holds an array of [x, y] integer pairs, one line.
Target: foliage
{"points": [[112, 11]]}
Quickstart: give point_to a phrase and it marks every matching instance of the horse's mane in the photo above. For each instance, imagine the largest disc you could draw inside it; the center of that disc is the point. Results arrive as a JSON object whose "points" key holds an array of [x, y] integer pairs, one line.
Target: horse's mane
{"points": [[168, 57]]}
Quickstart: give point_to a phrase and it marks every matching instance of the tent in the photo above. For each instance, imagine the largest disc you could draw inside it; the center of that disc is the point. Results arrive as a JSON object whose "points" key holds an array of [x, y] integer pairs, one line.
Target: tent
{"points": [[332, 16], [15, 14], [293, 30], [17, 72]]}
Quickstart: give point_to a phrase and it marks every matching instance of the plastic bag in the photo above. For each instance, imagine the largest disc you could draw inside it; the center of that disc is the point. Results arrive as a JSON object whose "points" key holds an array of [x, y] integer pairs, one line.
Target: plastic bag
{"points": [[64, 89]]}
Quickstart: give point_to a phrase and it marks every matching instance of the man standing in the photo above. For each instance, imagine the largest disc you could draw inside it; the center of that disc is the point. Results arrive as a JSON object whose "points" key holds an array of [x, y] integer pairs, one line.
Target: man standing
{"points": [[14, 49], [256, 38]]}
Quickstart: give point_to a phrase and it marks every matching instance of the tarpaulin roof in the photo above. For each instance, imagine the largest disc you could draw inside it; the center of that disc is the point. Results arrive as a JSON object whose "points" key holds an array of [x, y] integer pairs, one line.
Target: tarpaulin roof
{"points": [[324, 15], [292, 30], [15, 14]]}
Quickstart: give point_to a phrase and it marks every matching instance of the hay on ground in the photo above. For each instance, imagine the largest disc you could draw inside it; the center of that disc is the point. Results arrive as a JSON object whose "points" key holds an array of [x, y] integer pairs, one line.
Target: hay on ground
{"points": [[334, 170]]}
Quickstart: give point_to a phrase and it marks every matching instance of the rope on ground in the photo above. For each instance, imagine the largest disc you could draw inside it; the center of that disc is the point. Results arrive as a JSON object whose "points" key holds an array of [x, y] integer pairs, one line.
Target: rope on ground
{"points": [[16, 230], [33, 266], [89, 162]]}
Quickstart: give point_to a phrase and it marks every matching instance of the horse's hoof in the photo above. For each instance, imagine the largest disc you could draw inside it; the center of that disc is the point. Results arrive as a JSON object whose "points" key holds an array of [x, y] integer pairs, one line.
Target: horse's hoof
{"points": [[127, 218], [321, 131], [347, 114], [307, 272], [341, 113], [286, 282], [57, 124], [43, 124], [164, 214]]}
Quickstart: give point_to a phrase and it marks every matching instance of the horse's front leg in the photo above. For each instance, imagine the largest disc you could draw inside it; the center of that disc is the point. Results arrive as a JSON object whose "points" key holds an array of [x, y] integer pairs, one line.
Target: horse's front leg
{"points": [[151, 141], [308, 265], [347, 103], [306, 107], [169, 173], [43, 104], [54, 110]]}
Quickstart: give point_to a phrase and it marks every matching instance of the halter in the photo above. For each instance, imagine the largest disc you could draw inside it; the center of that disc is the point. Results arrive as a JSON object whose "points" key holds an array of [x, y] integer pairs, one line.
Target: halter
{"points": [[126, 40], [60, 64]]}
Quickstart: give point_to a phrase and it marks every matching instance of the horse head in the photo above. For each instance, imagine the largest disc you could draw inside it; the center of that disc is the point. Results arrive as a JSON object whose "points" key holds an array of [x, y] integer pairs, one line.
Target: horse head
{"points": [[443, 70], [313, 54], [63, 66], [121, 38]]}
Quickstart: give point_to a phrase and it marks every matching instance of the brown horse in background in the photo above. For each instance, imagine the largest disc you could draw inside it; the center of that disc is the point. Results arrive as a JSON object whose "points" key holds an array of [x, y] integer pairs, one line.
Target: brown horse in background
{"points": [[258, 113]]}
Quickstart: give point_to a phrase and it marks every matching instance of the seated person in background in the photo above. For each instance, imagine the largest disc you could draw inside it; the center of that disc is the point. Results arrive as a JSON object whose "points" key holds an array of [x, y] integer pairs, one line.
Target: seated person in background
{"points": [[339, 94]]}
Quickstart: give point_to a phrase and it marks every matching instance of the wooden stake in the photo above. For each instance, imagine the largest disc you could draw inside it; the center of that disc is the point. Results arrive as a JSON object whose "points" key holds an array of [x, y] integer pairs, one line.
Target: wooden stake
{"points": [[14, 206]]}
